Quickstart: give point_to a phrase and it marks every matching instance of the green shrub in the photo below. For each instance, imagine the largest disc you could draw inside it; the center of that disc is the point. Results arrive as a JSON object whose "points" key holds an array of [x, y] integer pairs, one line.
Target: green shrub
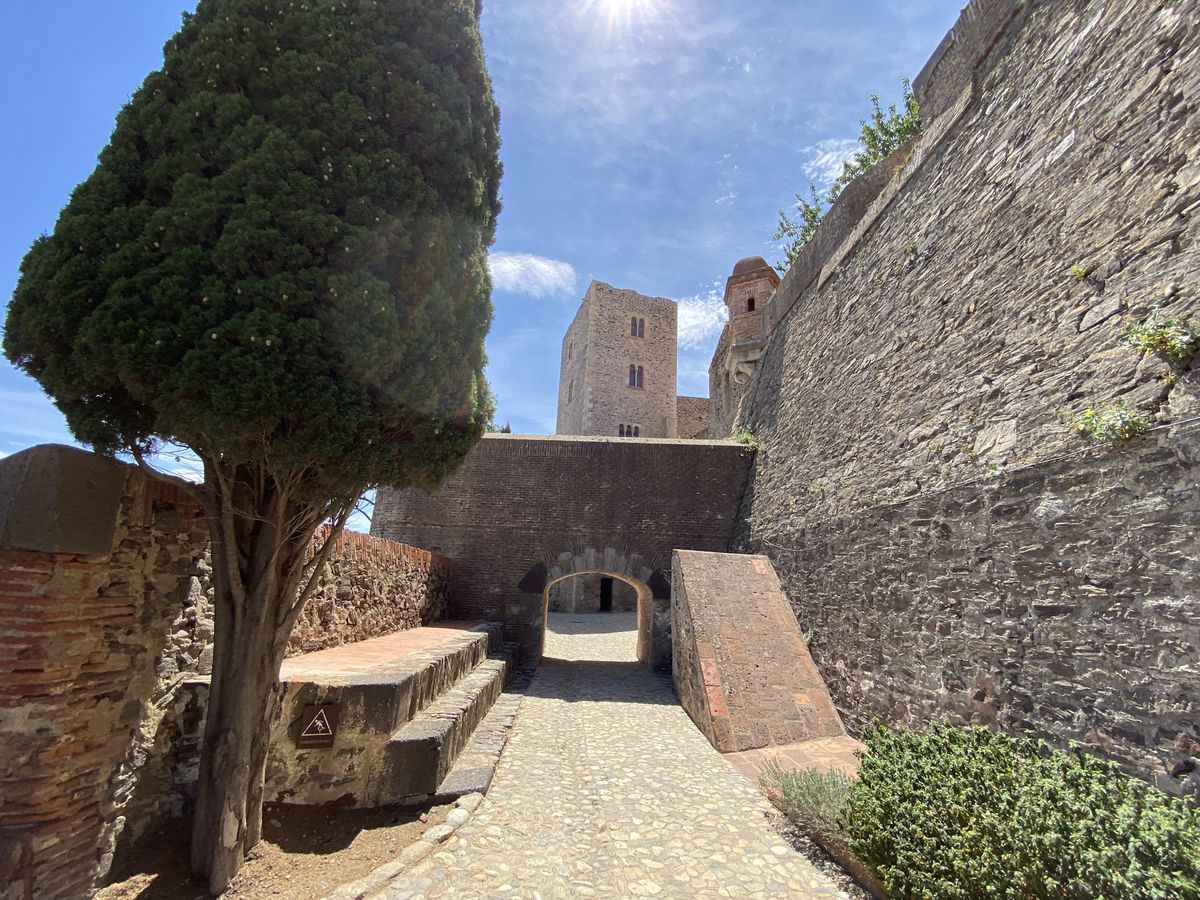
{"points": [[1113, 425], [1177, 339], [966, 813], [813, 800]]}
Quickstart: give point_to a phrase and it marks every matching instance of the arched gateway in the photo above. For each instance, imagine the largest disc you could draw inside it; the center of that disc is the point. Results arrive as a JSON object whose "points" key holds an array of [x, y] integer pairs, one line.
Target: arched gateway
{"points": [[524, 513]]}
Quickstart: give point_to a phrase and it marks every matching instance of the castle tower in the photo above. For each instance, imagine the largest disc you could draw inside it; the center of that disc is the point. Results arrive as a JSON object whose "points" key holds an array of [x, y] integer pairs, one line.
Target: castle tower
{"points": [[617, 370], [747, 293]]}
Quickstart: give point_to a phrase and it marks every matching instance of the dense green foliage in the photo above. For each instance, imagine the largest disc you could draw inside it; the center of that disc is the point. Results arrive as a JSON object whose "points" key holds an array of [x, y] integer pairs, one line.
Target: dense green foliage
{"points": [[970, 813], [280, 257], [879, 136]]}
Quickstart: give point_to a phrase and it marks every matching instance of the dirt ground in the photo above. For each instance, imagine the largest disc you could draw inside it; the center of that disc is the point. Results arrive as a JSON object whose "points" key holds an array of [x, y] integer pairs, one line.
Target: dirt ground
{"points": [[306, 853]]}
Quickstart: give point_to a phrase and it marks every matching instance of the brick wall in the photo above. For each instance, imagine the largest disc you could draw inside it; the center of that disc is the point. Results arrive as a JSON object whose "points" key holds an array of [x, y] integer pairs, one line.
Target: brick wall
{"points": [[81, 634], [565, 504], [742, 670]]}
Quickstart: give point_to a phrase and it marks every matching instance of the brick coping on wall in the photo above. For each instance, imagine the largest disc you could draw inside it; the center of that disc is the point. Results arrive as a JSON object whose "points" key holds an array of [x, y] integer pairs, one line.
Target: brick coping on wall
{"points": [[604, 439]]}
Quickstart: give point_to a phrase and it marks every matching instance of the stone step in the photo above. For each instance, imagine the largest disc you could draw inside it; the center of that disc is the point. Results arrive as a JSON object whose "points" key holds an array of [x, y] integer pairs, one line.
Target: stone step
{"points": [[378, 686], [475, 767], [420, 754]]}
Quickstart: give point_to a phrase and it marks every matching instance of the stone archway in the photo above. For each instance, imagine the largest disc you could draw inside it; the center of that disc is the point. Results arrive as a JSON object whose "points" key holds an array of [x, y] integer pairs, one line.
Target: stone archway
{"points": [[644, 606], [652, 584]]}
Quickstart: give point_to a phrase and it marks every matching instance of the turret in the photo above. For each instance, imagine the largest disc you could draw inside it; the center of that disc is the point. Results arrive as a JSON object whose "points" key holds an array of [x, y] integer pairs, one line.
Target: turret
{"points": [[746, 294]]}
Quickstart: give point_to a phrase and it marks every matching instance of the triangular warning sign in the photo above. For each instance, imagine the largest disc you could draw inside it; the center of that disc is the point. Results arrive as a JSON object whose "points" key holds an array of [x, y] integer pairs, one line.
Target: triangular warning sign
{"points": [[318, 727]]}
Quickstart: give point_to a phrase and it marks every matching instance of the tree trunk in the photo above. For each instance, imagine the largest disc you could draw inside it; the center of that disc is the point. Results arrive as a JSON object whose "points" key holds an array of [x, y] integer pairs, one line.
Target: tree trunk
{"points": [[229, 775], [260, 543]]}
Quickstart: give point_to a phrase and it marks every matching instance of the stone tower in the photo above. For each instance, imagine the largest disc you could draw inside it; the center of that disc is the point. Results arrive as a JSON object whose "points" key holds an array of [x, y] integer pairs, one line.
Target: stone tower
{"points": [[618, 366], [747, 291]]}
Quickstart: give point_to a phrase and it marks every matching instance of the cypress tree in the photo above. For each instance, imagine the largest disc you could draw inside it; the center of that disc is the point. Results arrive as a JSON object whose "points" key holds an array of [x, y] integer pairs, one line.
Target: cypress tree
{"points": [[279, 262]]}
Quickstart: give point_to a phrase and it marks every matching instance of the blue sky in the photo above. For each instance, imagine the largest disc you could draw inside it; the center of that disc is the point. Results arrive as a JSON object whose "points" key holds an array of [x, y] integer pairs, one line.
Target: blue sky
{"points": [[647, 143]]}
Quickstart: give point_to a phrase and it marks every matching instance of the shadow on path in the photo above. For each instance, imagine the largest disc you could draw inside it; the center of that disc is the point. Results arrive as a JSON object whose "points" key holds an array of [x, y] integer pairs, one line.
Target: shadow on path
{"points": [[579, 680]]}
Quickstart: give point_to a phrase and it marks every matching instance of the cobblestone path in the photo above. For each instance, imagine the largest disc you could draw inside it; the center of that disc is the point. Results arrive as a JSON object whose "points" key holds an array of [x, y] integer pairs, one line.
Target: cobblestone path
{"points": [[607, 789]]}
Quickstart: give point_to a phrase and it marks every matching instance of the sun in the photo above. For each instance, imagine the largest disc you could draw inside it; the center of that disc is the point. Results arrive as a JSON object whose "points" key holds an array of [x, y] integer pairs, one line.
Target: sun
{"points": [[625, 15]]}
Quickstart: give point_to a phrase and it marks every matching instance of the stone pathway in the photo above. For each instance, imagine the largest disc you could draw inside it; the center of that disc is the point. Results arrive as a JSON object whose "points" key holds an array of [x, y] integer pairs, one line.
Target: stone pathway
{"points": [[607, 789]]}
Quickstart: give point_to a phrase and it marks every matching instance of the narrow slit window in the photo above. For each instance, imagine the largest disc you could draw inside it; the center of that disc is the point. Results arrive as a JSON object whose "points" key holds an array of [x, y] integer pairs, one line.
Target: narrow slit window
{"points": [[639, 376], [621, 431], [633, 327], [641, 328], [633, 370], [570, 391]]}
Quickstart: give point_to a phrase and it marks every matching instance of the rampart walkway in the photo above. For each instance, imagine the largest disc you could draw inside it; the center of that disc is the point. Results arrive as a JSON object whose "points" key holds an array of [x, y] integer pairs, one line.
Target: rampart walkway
{"points": [[607, 789]]}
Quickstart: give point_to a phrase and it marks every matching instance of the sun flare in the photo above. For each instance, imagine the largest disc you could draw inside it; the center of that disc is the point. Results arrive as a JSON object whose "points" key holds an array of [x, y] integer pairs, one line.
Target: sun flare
{"points": [[625, 15]]}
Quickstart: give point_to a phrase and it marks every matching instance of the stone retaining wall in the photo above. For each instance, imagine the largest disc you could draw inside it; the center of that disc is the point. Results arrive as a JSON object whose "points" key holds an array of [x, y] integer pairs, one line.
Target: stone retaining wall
{"points": [[1057, 601]]}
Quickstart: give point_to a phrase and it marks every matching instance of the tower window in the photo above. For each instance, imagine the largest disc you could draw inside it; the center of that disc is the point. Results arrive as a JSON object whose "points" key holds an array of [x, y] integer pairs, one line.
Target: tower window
{"points": [[570, 349], [629, 431], [570, 391], [635, 376], [637, 431], [750, 305], [637, 327], [621, 431]]}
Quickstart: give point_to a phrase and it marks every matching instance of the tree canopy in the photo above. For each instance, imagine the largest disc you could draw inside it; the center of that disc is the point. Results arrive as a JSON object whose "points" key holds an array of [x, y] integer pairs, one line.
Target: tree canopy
{"points": [[883, 133], [279, 261], [281, 254]]}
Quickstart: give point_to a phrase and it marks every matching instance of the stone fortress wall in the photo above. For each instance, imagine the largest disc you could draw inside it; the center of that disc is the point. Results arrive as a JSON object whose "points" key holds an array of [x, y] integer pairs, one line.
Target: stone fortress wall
{"points": [[953, 545], [524, 510], [692, 415]]}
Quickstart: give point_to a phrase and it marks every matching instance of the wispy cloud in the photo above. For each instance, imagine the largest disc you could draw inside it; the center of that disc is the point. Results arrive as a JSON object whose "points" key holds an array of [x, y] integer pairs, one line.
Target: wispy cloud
{"points": [[726, 199], [701, 319], [825, 159], [535, 276]]}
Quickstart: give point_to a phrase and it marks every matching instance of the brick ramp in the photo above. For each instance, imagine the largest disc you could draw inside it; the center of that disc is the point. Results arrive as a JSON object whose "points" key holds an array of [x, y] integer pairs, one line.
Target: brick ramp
{"points": [[742, 670]]}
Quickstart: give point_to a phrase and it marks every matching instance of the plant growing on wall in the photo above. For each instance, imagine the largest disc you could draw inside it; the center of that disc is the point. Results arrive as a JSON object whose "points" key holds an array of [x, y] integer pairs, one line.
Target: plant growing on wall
{"points": [[879, 136], [1112, 425], [746, 438], [1177, 339], [279, 262]]}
